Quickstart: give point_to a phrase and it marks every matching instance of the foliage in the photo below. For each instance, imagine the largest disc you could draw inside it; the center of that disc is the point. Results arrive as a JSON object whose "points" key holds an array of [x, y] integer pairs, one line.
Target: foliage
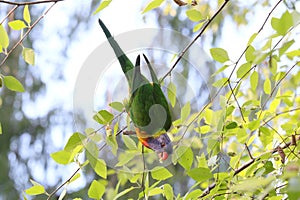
{"points": [[245, 140]]}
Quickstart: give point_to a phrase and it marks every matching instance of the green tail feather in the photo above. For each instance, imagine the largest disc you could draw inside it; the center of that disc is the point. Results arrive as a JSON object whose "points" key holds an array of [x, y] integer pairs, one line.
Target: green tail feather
{"points": [[125, 63]]}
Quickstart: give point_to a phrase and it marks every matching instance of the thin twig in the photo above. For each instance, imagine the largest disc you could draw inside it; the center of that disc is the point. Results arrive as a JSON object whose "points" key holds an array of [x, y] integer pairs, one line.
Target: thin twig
{"points": [[196, 38], [26, 33], [9, 13], [29, 3], [237, 102], [52, 193]]}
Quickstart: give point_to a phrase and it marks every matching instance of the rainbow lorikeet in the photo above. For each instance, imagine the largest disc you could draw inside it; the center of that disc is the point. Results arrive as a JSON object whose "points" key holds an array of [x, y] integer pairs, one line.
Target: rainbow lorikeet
{"points": [[147, 106]]}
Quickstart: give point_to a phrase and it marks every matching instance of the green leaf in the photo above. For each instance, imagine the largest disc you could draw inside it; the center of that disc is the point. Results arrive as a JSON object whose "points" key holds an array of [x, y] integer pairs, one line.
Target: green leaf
{"points": [[117, 106], [160, 173], [242, 135], [102, 5], [231, 125], [103, 117], [125, 158], [96, 190], [243, 69], [4, 40], [253, 125], [61, 157], [17, 24], [293, 54], [124, 192], [198, 26], [35, 190], [75, 177], [220, 70], [282, 25], [101, 168], [155, 191], [151, 5], [254, 80], [168, 192], [267, 86], [172, 93], [200, 174], [185, 111], [0, 128], [194, 15], [219, 54], [221, 82], [129, 143], [13, 84], [194, 194], [186, 160], [250, 54], [26, 15], [75, 140], [253, 36], [28, 56], [285, 47]]}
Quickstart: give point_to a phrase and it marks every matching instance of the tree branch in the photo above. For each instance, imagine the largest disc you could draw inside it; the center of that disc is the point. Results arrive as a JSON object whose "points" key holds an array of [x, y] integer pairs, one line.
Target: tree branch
{"points": [[29, 3], [27, 33], [196, 38]]}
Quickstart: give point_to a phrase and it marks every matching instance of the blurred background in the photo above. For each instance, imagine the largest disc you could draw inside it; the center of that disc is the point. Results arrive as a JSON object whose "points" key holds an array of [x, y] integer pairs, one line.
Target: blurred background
{"points": [[39, 121]]}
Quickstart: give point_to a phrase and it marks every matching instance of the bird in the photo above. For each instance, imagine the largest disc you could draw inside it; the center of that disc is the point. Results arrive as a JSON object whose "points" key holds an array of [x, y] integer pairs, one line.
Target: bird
{"points": [[147, 107]]}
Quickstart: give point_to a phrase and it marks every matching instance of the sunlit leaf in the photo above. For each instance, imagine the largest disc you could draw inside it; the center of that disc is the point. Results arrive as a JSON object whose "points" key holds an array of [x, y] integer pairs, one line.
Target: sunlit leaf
{"points": [[221, 82], [96, 190], [293, 54], [129, 143], [285, 47], [124, 192], [251, 39], [125, 158], [198, 26], [172, 93], [219, 54], [0, 128], [13, 84], [250, 54], [28, 55], [200, 174], [254, 80], [243, 69], [75, 177], [194, 194], [267, 86], [117, 106], [75, 140], [194, 15], [102, 5], [36, 189], [4, 40], [160, 173], [97, 164], [155, 191], [61, 157], [26, 15], [103, 117], [17, 24], [153, 4], [282, 25], [168, 192], [62, 194], [185, 111], [186, 159]]}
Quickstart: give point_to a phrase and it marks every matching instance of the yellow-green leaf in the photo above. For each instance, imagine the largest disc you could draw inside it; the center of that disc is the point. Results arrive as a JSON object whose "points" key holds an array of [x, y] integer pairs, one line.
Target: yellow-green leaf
{"points": [[185, 111], [74, 141], [26, 15], [103, 117], [61, 157], [168, 192], [200, 174], [0, 128], [129, 143], [13, 84], [160, 173], [243, 69], [254, 80], [219, 54], [155, 191], [28, 56], [35, 190], [293, 54], [172, 93], [250, 54], [117, 106], [253, 36], [194, 15], [282, 25], [17, 24], [151, 5], [221, 82], [4, 40], [267, 86], [100, 168], [96, 190], [102, 5], [186, 160], [75, 177]]}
